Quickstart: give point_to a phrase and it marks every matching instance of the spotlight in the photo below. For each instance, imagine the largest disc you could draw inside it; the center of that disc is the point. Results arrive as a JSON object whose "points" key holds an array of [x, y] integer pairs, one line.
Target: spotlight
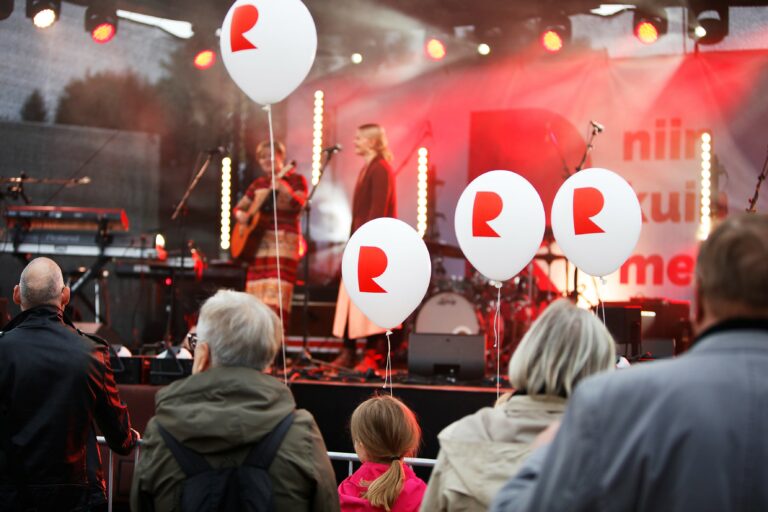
{"points": [[6, 9], [435, 49], [356, 58], [101, 21], [708, 25], [555, 32], [43, 13], [649, 26], [483, 49], [204, 59]]}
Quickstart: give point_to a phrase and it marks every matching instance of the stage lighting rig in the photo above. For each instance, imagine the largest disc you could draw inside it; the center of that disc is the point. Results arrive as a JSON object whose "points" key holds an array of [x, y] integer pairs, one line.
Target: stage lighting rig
{"points": [[649, 26], [555, 32], [6, 8], [43, 13], [708, 24], [435, 49], [101, 20]]}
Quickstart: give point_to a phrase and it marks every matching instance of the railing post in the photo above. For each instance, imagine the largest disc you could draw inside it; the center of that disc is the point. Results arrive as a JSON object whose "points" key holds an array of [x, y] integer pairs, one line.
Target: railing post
{"points": [[111, 483]]}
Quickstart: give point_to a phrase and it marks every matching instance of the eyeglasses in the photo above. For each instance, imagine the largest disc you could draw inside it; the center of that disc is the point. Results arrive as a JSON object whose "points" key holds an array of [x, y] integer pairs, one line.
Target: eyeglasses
{"points": [[192, 340]]}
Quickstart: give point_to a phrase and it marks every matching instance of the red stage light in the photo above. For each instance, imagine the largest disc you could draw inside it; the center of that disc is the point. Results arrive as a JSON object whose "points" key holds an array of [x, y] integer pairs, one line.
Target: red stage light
{"points": [[552, 41], [168, 281], [103, 33], [205, 59], [646, 32], [435, 49]]}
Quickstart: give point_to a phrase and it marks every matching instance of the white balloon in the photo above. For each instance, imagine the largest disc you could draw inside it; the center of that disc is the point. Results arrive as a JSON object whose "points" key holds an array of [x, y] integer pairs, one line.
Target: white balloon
{"points": [[499, 223], [596, 220], [268, 47], [386, 270]]}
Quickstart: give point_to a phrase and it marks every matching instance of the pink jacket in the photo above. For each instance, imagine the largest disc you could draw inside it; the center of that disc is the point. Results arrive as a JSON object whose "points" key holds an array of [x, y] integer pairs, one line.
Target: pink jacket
{"points": [[350, 490]]}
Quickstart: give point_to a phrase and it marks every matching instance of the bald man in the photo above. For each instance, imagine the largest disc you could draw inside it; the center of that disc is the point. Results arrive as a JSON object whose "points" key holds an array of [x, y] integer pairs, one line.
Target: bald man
{"points": [[55, 383]]}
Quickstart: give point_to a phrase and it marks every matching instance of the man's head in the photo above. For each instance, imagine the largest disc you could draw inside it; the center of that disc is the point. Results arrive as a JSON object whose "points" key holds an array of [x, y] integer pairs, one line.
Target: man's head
{"points": [[235, 329], [732, 271], [41, 283]]}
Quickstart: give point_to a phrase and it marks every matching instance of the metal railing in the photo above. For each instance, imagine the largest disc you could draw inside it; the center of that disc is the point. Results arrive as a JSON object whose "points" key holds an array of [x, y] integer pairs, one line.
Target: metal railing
{"points": [[350, 458]]}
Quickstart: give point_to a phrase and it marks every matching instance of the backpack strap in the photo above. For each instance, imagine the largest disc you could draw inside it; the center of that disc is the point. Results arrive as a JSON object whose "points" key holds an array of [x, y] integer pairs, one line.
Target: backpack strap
{"points": [[262, 455], [191, 462]]}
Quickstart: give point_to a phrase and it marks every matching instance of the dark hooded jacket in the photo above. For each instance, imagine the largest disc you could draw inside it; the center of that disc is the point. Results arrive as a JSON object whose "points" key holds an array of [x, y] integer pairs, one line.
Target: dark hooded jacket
{"points": [[54, 384], [221, 413]]}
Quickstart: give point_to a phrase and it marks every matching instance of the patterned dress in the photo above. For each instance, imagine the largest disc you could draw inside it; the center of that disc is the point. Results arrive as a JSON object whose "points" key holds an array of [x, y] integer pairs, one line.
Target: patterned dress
{"points": [[262, 272]]}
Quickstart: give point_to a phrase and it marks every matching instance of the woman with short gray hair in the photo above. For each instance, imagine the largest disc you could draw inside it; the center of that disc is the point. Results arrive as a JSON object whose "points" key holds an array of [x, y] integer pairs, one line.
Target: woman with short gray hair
{"points": [[480, 452]]}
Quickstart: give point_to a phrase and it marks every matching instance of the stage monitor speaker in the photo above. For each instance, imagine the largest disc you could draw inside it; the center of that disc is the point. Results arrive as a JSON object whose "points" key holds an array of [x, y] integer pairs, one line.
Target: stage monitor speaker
{"points": [[168, 369], [319, 318], [666, 325], [101, 330], [460, 356], [623, 322]]}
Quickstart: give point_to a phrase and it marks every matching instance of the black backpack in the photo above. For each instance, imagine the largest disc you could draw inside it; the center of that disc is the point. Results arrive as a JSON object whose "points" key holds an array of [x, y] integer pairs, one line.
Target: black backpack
{"points": [[246, 487]]}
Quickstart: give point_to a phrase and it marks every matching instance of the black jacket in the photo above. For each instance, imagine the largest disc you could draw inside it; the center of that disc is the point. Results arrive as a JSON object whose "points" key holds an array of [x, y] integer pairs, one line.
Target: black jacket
{"points": [[54, 384]]}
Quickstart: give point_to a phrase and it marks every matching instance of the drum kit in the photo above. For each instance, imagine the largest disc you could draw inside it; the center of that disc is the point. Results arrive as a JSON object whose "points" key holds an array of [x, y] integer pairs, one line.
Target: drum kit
{"points": [[466, 305]]}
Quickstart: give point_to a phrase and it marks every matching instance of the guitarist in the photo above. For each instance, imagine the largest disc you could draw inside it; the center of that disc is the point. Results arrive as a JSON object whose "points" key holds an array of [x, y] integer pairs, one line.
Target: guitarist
{"points": [[291, 196]]}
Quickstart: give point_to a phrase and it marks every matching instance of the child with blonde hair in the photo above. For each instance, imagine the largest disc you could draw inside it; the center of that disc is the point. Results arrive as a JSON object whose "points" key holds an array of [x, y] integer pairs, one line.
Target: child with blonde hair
{"points": [[384, 431]]}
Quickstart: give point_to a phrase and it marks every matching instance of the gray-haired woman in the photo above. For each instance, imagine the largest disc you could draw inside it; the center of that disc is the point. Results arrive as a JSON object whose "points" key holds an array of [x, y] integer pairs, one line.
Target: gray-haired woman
{"points": [[478, 453]]}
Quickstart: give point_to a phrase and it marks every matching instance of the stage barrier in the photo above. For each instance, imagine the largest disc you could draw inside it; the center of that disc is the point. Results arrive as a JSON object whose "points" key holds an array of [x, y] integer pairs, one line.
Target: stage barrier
{"points": [[350, 458]]}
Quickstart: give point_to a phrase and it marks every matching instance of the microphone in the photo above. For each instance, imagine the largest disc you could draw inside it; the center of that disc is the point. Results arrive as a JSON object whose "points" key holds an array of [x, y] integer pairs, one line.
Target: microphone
{"points": [[597, 126], [333, 149], [220, 150]]}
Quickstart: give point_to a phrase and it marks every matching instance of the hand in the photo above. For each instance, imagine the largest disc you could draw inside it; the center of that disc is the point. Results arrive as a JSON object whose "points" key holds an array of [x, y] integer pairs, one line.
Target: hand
{"points": [[241, 217], [547, 435]]}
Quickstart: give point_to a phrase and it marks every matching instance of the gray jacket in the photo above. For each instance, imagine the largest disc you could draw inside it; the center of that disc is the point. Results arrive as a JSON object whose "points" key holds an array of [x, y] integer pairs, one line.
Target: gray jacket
{"points": [[689, 434], [478, 453]]}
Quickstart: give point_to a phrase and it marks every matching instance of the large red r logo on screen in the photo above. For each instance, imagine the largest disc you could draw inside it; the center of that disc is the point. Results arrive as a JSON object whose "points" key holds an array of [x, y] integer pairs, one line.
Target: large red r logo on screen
{"points": [[587, 202], [488, 206], [371, 263], [243, 19]]}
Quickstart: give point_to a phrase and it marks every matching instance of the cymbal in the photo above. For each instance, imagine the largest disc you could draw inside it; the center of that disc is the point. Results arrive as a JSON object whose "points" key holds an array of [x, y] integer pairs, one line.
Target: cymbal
{"points": [[443, 249], [46, 181]]}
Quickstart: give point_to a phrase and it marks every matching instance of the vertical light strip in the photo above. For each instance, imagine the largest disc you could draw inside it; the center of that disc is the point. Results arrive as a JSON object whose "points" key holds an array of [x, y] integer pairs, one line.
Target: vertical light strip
{"points": [[421, 191], [317, 136], [226, 200], [705, 222]]}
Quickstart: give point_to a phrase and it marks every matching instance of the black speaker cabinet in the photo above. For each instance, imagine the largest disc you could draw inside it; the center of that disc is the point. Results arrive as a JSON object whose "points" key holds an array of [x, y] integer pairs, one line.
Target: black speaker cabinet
{"points": [[461, 356]]}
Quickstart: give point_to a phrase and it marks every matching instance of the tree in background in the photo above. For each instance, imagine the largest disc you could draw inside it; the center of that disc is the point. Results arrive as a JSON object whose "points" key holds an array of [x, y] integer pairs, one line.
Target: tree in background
{"points": [[120, 101], [34, 108]]}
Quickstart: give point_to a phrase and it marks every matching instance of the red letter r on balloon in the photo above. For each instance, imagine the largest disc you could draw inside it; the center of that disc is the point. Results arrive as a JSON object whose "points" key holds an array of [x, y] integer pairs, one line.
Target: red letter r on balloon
{"points": [[587, 202], [488, 206], [371, 263]]}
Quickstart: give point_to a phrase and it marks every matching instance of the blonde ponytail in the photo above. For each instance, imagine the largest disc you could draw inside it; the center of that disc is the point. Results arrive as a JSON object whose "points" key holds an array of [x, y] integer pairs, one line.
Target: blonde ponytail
{"points": [[388, 431], [383, 491]]}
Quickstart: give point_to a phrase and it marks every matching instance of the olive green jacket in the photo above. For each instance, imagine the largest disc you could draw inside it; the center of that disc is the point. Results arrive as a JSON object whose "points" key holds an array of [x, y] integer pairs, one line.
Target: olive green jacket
{"points": [[221, 413]]}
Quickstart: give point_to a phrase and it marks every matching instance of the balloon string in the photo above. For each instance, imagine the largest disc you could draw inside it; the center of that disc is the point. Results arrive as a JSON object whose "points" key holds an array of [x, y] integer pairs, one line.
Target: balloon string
{"points": [[388, 367], [268, 108], [600, 303], [496, 343]]}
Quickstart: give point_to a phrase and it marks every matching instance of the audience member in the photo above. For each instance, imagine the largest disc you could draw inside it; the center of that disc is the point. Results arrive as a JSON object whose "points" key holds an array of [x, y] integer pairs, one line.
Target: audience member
{"points": [[478, 453], [384, 431], [679, 435], [54, 383], [226, 407]]}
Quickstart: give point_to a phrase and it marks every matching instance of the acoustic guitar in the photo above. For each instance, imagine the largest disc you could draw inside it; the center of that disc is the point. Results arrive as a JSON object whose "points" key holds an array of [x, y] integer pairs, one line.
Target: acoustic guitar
{"points": [[246, 237]]}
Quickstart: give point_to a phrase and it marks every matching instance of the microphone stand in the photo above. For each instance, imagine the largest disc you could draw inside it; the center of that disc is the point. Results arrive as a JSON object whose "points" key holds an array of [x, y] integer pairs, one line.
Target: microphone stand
{"points": [[182, 210], [306, 356], [590, 146]]}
